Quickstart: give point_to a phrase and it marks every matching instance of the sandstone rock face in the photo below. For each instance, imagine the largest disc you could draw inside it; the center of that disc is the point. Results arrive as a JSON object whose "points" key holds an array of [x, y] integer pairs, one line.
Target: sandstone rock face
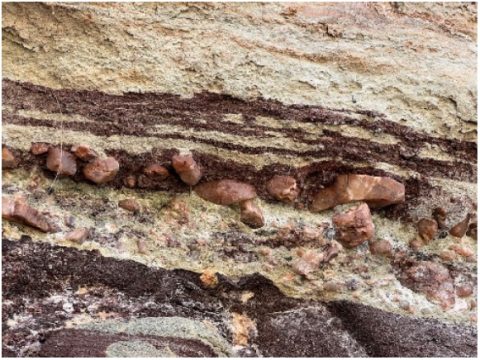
{"points": [[376, 191], [355, 226], [299, 106]]}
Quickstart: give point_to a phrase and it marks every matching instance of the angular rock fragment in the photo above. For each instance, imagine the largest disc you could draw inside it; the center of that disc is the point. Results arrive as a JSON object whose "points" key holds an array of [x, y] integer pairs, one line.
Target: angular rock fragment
{"points": [[101, 171], [251, 215], [84, 152], [156, 172], [331, 252], [440, 216], [309, 262], [381, 247], [226, 192], [39, 148], [472, 230], [375, 191], [461, 228], [61, 161], [78, 235], [354, 227], [188, 170], [129, 204], [8, 160], [427, 229], [19, 211], [283, 188]]}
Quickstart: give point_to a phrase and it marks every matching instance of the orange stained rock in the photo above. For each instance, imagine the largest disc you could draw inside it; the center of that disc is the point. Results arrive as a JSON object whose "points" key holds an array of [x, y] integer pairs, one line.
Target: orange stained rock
{"points": [[78, 235], [381, 247], [156, 172], [375, 191], [243, 326], [427, 229], [283, 188], [8, 160], [209, 279], [188, 170], [251, 215], [225, 192], [460, 229], [101, 171], [19, 211], [84, 152], [61, 161], [354, 226], [39, 148]]}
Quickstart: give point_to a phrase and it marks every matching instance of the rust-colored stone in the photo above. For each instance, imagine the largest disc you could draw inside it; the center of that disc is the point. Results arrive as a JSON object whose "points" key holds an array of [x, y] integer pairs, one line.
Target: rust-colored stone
{"points": [[101, 171], [129, 204], [447, 255], [39, 148], [226, 192], [19, 211], [309, 262], [78, 235], [283, 188], [84, 152], [130, 181], [61, 161], [461, 228], [251, 215], [8, 160], [464, 291], [440, 216], [209, 279], [381, 247], [188, 170], [427, 229], [156, 172], [354, 227], [472, 230], [375, 191], [416, 243], [462, 250]]}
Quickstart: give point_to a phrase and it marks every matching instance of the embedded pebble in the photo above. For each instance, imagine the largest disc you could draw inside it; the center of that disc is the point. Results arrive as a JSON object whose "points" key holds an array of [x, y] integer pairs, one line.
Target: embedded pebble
{"points": [[427, 229], [19, 211], [8, 160], [251, 215], [375, 191], [404, 305], [416, 243], [472, 230], [440, 216], [226, 192], [84, 152], [464, 291], [332, 251], [156, 172], [332, 286], [447, 255], [61, 161], [78, 235], [129, 204], [308, 263], [142, 246], [209, 279], [39, 148], [381, 247], [354, 226], [188, 170], [462, 250], [101, 171], [461, 228], [283, 188]]}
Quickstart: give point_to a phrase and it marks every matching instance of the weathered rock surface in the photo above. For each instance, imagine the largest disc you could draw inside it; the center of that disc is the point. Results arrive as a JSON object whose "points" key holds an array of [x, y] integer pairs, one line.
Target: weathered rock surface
{"points": [[8, 160], [376, 191], [312, 91]]}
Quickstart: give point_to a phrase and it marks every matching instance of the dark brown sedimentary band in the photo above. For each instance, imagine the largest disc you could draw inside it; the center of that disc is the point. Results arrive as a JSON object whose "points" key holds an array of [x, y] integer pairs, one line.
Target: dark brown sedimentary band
{"points": [[132, 113], [331, 145], [33, 271], [309, 178]]}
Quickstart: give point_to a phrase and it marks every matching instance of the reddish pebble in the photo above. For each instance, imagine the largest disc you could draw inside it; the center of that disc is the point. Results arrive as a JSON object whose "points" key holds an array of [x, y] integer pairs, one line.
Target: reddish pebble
{"points": [[8, 160], [447, 255], [440, 216], [427, 229], [381, 247], [83, 151], [461, 228], [78, 235], [129, 204], [416, 243], [226, 192], [283, 188], [251, 215], [130, 181], [39, 148], [355, 226], [187, 169], [464, 251], [472, 230], [308, 263], [142, 246], [101, 171], [464, 291], [61, 161], [156, 172], [19, 211], [332, 286]]}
